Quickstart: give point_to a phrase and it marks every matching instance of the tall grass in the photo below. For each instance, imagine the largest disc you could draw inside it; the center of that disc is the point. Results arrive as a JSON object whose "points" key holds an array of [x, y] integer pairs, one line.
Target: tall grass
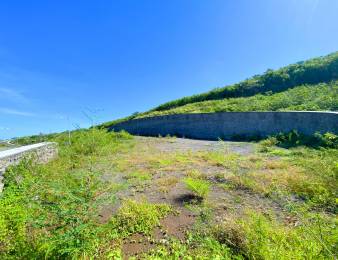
{"points": [[50, 210]]}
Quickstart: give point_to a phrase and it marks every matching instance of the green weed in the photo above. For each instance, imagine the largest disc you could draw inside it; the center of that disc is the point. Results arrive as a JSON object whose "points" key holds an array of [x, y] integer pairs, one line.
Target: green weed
{"points": [[138, 176], [138, 217], [200, 188], [196, 247]]}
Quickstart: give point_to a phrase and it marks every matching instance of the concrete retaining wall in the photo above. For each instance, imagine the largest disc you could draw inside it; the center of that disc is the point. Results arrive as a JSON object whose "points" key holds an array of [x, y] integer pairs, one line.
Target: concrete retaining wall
{"points": [[42, 153], [228, 125]]}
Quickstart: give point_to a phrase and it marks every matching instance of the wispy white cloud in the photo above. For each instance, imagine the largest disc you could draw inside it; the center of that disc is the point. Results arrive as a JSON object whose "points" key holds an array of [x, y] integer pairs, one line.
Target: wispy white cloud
{"points": [[10, 111], [3, 128], [12, 95]]}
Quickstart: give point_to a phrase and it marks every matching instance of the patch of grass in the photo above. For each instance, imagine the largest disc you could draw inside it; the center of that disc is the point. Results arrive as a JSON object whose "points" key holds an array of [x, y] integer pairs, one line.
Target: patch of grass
{"points": [[291, 180], [166, 183], [227, 186], [200, 188], [168, 161], [276, 151], [304, 173], [196, 247], [138, 217], [196, 174], [145, 158], [260, 237], [226, 160], [255, 236], [138, 176]]}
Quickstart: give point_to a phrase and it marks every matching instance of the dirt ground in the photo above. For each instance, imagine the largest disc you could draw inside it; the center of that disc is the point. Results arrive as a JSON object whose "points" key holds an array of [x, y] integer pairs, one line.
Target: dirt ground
{"points": [[165, 162]]}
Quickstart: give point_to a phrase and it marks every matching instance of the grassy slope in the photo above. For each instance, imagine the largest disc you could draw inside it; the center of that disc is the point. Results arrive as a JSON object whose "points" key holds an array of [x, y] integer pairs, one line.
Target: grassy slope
{"points": [[323, 96], [312, 81], [314, 71]]}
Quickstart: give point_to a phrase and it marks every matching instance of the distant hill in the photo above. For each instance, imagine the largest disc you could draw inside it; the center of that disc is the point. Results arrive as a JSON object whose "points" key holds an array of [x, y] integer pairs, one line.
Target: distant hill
{"points": [[306, 85]]}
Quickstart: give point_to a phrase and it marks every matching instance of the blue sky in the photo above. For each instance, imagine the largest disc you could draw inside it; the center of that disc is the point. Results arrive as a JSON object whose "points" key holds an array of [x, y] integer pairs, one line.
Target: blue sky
{"points": [[62, 60]]}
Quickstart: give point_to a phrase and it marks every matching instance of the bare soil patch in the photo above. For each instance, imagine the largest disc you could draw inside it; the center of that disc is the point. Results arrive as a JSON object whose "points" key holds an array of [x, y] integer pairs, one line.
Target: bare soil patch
{"points": [[182, 144], [172, 226]]}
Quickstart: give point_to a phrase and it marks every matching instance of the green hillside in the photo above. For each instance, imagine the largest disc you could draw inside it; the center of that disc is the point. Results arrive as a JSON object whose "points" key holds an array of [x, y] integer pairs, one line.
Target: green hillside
{"points": [[314, 71], [310, 85], [322, 96]]}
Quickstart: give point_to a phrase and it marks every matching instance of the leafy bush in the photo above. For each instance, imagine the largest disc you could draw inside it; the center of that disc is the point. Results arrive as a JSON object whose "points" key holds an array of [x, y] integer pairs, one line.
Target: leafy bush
{"points": [[327, 140], [293, 138], [199, 187]]}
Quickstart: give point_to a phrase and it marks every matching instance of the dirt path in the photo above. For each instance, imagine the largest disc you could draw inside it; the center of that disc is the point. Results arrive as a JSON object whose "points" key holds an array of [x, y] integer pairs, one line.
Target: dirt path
{"points": [[182, 144]]}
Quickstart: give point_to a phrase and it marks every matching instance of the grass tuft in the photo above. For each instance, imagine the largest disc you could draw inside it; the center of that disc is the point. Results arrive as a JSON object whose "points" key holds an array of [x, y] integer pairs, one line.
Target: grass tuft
{"points": [[200, 188], [138, 217]]}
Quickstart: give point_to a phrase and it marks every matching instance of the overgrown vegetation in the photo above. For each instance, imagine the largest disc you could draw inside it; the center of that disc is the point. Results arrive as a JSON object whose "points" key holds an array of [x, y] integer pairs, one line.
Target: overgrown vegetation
{"points": [[294, 139], [323, 96], [50, 211], [55, 211]]}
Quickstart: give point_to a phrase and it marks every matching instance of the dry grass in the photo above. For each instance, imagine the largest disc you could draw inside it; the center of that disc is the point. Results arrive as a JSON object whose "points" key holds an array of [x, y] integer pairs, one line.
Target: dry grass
{"points": [[165, 184]]}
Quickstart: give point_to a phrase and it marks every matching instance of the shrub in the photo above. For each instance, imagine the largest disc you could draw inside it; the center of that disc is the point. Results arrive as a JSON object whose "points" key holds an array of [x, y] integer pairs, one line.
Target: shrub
{"points": [[293, 138], [327, 140]]}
